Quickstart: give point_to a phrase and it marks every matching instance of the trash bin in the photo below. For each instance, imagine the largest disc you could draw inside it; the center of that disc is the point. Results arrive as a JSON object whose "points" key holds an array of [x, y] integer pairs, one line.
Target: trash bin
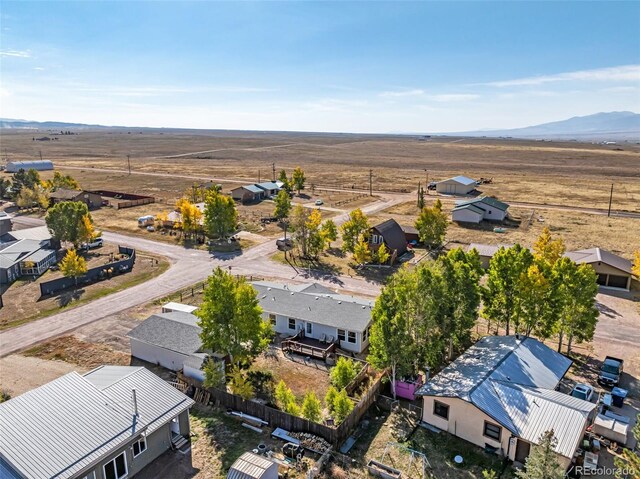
{"points": [[618, 395]]}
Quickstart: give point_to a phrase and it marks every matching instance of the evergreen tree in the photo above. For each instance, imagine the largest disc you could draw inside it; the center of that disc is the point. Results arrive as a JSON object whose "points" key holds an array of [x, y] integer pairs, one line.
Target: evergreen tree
{"points": [[343, 372], [356, 226], [542, 462], [383, 254], [240, 385], [420, 197], [24, 179], [342, 406], [311, 407], [285, 399]]}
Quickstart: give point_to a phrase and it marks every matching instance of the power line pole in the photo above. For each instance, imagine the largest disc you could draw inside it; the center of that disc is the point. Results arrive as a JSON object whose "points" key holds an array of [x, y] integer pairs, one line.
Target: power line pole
{"points": [[129, 163], [258, 175], [273, 167], [426, 183], [370, 182], [610, 198]]}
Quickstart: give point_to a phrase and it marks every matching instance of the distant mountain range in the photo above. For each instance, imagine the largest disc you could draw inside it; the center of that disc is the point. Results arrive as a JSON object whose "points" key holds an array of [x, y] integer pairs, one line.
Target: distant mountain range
{"points": [[43, 125], [616, 125]]}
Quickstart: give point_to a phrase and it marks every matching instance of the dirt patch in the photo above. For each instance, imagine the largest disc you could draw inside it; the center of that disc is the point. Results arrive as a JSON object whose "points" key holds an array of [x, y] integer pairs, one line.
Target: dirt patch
{"points": [[81, 353]]}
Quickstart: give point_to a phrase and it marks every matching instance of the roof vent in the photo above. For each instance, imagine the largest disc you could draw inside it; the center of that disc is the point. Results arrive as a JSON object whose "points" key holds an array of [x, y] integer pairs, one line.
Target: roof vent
{"points": [[291, 293], [317, 298], [268, 289], [363, 307], [339, 302], [309, 308]]}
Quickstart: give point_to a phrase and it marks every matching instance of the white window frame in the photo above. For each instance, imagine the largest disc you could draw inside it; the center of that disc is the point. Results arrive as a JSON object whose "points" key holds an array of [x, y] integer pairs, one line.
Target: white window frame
{"points": [[364, 335], [309, 328], [355, 337], [142, 440], [294, 324], [126, 466], [344, 335]]}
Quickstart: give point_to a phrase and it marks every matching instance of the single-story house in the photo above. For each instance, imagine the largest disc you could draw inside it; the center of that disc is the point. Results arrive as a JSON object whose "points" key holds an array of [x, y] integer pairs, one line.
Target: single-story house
{"points": [[176, 217], [479, 209], [486, 251], [500, 395], [171, 340], [38, 165], [92, 200], [247, 193], [5, 223], [108, 423], [458, 185], [322, 314], [270, 188], [391, 234], [410, 233], [613, 271], [24, 257], [252, 466]]}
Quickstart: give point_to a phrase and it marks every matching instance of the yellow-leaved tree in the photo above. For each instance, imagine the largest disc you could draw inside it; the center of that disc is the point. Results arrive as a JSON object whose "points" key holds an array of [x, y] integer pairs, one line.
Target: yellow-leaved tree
{"points": [[73, 265]]}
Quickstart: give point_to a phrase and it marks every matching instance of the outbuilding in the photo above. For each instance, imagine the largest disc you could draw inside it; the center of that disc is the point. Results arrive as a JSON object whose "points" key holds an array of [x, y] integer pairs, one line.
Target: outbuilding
{"points": [[38, 165], [458, 185], [252, 466], [613, 271], [479, 209]]}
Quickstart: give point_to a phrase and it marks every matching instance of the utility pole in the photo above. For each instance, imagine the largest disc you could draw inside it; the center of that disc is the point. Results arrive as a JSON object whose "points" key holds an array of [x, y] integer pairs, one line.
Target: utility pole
{"points": [[258, 175], [426, 183], [40, 151], [370, 182], [129, 163], [610, 198], [273, 167]]}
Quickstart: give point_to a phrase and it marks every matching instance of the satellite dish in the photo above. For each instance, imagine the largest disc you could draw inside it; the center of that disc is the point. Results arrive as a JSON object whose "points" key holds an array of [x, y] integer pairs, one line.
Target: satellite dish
{"points": [[458, 459]]}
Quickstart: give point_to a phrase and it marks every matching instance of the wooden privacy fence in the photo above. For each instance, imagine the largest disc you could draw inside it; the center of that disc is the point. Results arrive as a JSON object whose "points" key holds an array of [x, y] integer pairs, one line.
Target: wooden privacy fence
{"points": [[277, 418]]}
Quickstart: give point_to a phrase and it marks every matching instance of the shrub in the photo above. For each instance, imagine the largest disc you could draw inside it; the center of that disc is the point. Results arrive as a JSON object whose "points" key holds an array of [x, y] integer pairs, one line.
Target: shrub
{"points": [[214, 375], [343, 372], [285, 399], [330, 397], [311, 407], [239, 384], [263, 382]]}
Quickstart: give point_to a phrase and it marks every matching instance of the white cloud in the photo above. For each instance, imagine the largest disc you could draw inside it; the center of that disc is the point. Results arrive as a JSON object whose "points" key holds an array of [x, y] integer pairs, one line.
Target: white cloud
{"points": [[15, 53], [38, 68], [401, 93], [619, 73], [453, 97]]}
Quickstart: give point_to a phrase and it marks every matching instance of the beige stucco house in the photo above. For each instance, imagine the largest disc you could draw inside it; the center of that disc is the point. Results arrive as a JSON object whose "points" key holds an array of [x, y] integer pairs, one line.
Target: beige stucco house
{"points": [[500, 395]]}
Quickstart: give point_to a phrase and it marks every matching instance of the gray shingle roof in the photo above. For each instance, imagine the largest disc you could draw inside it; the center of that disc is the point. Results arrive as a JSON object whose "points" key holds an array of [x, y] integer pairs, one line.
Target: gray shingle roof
{"points": [[339, 311], [66, 425], [65, 194], [596, 255], [176, 331]]}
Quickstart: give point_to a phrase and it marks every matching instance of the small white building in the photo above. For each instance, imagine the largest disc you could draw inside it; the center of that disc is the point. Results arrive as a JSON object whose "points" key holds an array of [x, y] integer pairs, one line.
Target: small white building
{"points": [[318, 311], [172, 307], [479, 209], [458, 185], [38, 165], [252, 466]]}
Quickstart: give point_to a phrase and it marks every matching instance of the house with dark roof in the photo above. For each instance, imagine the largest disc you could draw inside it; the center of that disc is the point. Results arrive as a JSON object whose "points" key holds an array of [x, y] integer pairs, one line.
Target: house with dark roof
{"points": [[458, 185], [479, 209], [500, 395], [316, 312], [92, 200], [171, 340], [391, 234], [613, 271], [108, 423]]}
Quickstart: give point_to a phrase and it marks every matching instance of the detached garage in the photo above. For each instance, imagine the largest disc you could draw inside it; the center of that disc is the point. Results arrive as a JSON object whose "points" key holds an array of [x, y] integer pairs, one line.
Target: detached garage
{"points": [[458, 185], [613, 271]]}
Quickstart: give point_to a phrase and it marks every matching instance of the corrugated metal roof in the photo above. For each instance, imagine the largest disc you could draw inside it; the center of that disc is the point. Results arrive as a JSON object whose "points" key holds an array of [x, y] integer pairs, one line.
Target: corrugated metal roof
{"points": [[464, 180], [176, 331], [179, 307], [39, 233], [343, 312], [595, 255], [251, 466]]}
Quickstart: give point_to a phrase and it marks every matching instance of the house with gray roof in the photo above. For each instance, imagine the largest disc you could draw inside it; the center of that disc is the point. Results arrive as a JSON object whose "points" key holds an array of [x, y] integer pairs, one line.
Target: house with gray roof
{"points": [[479, 209], [24, 257], [171, 340], [500, 394], [317, 312], [458, 185], [613, 271], [106, 424]]}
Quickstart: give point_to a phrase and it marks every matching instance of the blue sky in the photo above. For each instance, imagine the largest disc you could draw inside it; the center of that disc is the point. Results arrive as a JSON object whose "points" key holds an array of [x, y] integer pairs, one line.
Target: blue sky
{"points": [[327, 66]]}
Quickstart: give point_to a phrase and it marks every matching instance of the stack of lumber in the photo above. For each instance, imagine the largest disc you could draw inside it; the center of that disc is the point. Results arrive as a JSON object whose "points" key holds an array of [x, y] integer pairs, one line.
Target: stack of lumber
{"points": [[202, 396], [312, 442]]}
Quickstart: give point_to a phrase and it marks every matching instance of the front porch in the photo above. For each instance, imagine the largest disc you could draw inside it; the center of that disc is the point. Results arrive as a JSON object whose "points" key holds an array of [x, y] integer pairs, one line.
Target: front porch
{"points": [[313, 348]]}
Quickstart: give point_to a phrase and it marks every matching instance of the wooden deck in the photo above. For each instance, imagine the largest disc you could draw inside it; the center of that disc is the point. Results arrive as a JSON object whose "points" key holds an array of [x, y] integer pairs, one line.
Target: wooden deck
{"points": [[310, 347]]}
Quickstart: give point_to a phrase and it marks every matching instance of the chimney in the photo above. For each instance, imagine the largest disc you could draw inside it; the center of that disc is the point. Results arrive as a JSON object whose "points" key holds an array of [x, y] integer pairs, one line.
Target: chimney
{"points": [[135, 403]]}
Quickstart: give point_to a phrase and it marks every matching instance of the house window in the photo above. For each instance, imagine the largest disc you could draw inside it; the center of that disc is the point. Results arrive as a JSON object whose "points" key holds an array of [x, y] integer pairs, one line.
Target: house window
{"points": [[272, 319], [352, 337], [441, 409], [116, 468], [139, 447], [91, 475], [292, 323], [492, 431], [309, 328], [341, 335], [364, 335]]}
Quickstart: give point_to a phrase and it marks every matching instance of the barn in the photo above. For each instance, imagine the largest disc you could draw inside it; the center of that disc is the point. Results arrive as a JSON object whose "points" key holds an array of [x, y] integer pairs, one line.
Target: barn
{"points": [[252, 466], [458, 185], [39, 165]]}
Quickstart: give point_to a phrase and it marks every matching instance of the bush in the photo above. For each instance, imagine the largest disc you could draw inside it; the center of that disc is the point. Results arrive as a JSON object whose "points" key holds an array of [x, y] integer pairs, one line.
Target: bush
{"points": [[311, 407], [263, 382], [330, 398], [343, 372], [342, 406], [285, 399], [239, 384], [214, 375], [4, 395]]}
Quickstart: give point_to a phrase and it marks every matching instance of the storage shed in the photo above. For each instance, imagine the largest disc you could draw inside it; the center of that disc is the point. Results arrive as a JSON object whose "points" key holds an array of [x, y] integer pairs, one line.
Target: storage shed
{"points": [[458, 185], [39, 165], [252, 466]]}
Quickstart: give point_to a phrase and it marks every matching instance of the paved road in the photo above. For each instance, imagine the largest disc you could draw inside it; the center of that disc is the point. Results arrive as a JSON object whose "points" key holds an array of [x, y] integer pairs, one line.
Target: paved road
{"points": [[188, 266]]}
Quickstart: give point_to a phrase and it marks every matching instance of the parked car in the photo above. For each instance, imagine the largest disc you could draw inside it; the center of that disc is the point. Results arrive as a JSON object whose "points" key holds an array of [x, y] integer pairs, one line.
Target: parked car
{"points": [[54, 267], [151, 228], [96, 243], [582, 391], [611, 371], [431, 185]]}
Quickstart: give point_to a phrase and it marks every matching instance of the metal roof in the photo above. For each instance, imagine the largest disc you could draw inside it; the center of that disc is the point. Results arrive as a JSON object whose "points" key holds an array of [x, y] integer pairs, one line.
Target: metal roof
{"points": [[251, 466], [487, 200], [473, 208], [179, 307], [40, 233], [597, 255], [21, 250], [268, 185], [177, 331], [464, 180], [339, 311]]}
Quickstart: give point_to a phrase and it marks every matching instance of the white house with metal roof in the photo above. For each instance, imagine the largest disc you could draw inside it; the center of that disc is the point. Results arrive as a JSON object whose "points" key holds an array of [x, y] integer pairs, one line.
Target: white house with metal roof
{"points": [[479, 209], [458, 185], [500, 394], [318, 311], [106, 424], [613, 271]]}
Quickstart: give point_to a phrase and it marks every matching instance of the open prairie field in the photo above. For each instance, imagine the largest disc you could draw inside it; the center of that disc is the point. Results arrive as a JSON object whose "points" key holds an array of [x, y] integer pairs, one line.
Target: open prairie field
{"points": [[165, 162]]}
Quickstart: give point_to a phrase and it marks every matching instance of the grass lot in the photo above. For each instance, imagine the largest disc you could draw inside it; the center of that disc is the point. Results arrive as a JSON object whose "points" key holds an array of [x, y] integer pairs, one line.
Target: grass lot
{"points": [[85, 354], [23, 304]]}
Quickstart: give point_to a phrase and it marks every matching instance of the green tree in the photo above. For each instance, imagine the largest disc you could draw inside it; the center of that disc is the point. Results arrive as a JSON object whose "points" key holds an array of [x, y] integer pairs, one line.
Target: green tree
{"points": [[220, 215], [500, 295], [285, 399], [329, 232], [574, 305], [306, 233], [311, 407], [230, 318], [383, 254], [432, 225], [330, 398], [356, 226], [629, 460], [36, 197], [283, 205], [546, 249], [343, 372], [342, 406], [361, 252], [214, 375], [420, 197], [534, 293], [61, 181], [542, 462], [24, 179], [73, 266], [240, 385], [67, 222], [5, 187], [298, 179], [286, 183]]}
